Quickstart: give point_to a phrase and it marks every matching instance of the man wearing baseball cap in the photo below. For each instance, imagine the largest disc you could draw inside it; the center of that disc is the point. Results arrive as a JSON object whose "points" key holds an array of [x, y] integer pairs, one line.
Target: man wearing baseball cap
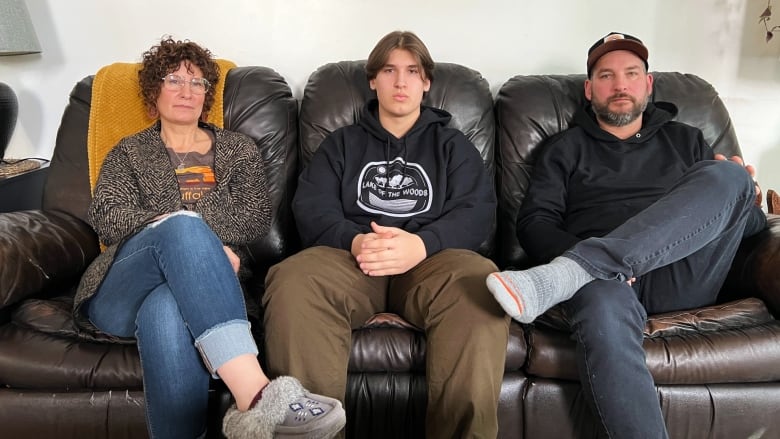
{"points": [[631, 214]]}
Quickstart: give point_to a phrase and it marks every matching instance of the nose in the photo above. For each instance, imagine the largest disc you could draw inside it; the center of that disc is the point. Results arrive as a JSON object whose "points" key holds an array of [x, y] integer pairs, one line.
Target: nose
{"points": [[621, 83], [186, 90], [400, 79]]}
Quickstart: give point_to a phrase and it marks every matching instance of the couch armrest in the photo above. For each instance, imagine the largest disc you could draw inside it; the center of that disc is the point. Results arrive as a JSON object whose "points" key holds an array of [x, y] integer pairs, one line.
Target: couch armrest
{"points": [[756, 268], [40, 250]]}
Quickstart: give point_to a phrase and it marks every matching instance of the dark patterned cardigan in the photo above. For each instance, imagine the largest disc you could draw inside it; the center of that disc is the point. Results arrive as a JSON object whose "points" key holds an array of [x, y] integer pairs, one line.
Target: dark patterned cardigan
{"points": [[137, 182]]}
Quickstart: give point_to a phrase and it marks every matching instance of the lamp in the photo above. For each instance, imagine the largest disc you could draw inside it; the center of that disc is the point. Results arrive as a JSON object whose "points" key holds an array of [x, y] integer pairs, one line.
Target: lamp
{"points": [[17, 37]]}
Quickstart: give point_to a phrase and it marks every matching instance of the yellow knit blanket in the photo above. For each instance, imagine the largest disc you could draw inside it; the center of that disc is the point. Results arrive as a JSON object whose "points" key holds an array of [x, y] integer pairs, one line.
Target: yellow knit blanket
{"points": [[118, 111]]}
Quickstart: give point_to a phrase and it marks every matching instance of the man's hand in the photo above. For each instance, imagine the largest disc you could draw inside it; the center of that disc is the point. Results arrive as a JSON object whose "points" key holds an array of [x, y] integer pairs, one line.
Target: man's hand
{"points": [[387, 251], [750, 170], [235, 261]]}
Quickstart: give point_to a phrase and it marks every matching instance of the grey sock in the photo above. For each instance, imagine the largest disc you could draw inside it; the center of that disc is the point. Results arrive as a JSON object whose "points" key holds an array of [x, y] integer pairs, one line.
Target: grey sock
{"points": [[527, 294]]}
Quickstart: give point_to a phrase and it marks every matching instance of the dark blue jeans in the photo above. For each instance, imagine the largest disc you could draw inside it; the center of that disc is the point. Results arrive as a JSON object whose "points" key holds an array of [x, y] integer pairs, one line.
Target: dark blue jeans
{"points": [[680, 250], [172, 287]]}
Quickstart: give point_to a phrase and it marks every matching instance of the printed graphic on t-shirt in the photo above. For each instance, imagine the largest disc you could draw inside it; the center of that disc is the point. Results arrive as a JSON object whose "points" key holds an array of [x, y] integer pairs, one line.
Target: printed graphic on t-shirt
{"points": [[396, 188], [195, 182]]}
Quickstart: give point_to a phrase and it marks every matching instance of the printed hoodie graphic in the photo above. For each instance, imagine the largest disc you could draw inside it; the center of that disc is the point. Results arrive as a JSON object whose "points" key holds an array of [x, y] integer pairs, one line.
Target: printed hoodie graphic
{"points": [[396, 188]]}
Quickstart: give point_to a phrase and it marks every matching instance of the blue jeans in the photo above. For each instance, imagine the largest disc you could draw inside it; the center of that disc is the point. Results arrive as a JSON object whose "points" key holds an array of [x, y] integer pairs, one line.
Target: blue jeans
{"points": [[679, 250], [172, 287]]}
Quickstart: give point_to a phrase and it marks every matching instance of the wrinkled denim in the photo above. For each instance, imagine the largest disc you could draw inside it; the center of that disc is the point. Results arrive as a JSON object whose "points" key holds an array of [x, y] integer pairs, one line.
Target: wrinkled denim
{"points": [[172, 287], [679, 250]]}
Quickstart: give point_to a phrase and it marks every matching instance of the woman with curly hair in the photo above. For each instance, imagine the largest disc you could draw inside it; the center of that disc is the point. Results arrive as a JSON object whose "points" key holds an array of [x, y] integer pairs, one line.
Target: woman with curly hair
{"points": [[174, 204]]}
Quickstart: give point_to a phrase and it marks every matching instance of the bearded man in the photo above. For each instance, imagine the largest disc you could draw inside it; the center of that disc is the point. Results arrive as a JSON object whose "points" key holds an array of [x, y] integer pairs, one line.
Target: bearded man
{"points": [[631, 213]]}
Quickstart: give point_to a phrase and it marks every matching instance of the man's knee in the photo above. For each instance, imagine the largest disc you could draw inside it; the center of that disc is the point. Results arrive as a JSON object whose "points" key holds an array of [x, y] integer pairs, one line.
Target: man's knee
{"points": [[724, 174], [606, 306], [454, 280], [306, 277], [462, 263]]}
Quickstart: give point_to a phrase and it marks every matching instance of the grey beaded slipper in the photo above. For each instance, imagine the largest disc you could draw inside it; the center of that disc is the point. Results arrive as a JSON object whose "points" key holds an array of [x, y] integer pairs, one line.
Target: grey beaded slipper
{"points": [[286, 410]]}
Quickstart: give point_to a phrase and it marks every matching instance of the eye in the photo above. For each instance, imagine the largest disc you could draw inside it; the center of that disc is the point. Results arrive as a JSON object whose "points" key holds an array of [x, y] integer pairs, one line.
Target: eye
{"points": [[175, 80], [414, 71], [388, 70]]}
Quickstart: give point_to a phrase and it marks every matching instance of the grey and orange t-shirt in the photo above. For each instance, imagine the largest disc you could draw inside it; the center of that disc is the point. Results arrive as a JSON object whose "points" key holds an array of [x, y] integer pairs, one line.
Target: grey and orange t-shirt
{"points": [[195, 173]]}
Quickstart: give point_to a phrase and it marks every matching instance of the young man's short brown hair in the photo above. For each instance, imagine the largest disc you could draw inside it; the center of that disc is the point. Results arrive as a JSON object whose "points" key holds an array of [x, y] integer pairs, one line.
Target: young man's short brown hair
{"points": [[399, 40]]}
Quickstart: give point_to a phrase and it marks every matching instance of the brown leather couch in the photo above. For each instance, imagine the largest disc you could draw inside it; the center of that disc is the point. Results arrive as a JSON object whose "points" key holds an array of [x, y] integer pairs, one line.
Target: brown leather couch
{"points": [[57, 382], [716, 367]]}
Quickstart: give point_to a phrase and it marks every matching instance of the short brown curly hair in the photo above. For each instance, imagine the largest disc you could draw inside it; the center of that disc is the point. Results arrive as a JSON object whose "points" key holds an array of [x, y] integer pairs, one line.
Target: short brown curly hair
{"points": [[164, 58]]}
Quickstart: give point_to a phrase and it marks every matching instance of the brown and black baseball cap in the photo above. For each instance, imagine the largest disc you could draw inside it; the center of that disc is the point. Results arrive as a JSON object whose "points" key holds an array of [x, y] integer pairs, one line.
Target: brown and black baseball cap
{"points": [[616, 41]]}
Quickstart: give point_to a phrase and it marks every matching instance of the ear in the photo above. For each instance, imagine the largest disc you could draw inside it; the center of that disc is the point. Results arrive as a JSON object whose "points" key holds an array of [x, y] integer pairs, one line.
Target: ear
{"points": [[372, 84], [427, 85], [649, 84], [588, 91]]}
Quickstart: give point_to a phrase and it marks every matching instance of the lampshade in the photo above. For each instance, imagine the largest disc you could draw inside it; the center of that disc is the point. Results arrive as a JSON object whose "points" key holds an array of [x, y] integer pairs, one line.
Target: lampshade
{"points": [[17, 35]]}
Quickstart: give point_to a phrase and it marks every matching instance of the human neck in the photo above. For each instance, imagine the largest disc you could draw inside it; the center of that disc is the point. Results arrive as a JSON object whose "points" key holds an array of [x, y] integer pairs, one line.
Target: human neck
{"points": [[398, 126], [622, 132], [180, 138]]}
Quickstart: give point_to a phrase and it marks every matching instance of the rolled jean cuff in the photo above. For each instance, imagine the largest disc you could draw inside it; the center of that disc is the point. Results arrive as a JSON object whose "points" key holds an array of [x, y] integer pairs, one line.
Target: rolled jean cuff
{"points": [[220, 344]]}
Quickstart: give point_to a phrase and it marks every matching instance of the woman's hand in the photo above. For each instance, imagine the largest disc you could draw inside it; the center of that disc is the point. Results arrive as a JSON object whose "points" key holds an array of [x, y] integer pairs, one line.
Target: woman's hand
{"points": [[235, 262]]}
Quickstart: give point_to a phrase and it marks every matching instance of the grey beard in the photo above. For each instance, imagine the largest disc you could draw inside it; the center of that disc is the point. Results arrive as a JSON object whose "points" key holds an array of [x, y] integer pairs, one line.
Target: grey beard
{"points": [[618, 119]]}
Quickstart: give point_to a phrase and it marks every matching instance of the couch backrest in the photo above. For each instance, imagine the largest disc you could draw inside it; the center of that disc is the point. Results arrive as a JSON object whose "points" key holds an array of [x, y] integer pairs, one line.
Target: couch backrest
{"points": [[257, 102], [530, 109], [335, 94]]}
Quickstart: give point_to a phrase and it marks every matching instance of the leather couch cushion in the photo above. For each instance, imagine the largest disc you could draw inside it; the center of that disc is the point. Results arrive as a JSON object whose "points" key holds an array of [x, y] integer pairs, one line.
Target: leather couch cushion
{"points": [[37, 253], [558, 409], [729, 343], [30, 359], [387, 343]]}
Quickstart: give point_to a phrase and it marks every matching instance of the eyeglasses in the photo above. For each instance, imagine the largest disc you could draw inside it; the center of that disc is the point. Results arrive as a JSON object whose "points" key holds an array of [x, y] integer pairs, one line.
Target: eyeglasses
{"points": [[198, 86]]}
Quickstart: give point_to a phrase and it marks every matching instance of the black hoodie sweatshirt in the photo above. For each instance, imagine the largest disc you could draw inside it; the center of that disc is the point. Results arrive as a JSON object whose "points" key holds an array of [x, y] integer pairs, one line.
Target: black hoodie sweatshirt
{"points": [[431, 182], [587, 182]]}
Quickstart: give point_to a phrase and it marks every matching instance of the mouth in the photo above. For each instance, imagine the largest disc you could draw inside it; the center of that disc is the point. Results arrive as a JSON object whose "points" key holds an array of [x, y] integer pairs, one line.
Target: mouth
{"points": [[400, 97], [621, 98]]}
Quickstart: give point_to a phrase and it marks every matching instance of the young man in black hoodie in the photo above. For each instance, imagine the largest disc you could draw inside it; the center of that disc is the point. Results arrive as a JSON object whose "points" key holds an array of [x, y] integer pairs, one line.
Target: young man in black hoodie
{"points": [[633, 215], [392, 210]]}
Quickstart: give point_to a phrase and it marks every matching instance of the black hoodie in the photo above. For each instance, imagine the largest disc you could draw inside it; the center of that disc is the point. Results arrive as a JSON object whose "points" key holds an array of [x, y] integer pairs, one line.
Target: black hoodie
{"points": [[587, 182], [431, 182]]}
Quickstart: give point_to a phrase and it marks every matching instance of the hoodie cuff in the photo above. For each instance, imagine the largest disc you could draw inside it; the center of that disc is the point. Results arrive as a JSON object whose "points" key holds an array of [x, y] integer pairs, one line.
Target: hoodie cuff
{"points": [[347, 237], [431, 242]]}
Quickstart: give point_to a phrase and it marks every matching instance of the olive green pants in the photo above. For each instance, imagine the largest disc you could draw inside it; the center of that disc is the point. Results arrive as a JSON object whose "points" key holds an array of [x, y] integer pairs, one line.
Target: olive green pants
{"points": [[314, 300]]}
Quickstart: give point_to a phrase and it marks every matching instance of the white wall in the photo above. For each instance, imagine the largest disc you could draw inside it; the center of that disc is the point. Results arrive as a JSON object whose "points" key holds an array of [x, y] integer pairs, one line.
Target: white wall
{"points": [[719, 40]]}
